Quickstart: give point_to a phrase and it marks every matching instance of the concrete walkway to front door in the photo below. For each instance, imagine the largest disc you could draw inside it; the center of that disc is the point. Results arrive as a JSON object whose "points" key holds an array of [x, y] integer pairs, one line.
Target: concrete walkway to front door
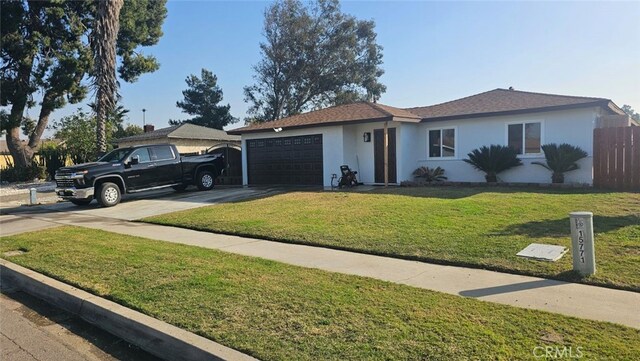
{"points": [[573, 299]]}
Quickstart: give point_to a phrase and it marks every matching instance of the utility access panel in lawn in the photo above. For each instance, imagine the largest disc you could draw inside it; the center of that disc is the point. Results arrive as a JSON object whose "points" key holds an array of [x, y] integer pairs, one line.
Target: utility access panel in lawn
{"points": [[285, 160]]}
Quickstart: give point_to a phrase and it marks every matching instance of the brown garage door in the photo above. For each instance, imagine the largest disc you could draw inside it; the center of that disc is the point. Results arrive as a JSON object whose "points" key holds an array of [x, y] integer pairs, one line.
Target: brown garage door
{"points": [[286, 160]]}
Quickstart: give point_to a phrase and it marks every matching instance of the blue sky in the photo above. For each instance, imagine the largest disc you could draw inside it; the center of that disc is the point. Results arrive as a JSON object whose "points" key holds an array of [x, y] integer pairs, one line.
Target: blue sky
{"points": [[433, 51]]}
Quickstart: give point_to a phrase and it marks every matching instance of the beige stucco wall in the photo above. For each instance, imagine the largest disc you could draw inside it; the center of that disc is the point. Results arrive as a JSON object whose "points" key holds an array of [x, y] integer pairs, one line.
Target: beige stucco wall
{"points": [[183, 145]]}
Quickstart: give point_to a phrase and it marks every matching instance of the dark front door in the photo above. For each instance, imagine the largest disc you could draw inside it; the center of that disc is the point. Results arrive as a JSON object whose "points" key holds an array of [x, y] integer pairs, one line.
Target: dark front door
{"points": [[286, 160], [378, 154]]}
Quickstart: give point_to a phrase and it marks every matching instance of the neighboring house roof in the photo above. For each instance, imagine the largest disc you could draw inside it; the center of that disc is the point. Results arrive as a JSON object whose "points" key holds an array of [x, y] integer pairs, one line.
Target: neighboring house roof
{"points": [[182, 131], [507, 101], [348, 113], [491, 103]]}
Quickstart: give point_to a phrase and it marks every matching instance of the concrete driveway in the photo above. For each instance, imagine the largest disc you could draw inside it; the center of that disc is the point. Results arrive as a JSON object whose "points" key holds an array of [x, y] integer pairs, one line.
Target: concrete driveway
{"points": [[146, 204]]}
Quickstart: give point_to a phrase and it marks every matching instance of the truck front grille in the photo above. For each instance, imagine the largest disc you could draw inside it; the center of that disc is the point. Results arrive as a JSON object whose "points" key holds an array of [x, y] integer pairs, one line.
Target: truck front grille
{"points": [[64, 183]]}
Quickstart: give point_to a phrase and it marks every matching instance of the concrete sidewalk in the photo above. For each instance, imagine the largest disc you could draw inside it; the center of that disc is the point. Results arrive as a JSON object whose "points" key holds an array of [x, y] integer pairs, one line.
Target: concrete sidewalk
{"points": [[572, 299]]}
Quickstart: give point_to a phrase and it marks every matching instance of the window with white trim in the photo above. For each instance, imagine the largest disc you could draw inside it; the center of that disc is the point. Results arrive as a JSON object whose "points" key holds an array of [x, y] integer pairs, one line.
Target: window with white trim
{"points": [[442, 143], [525, 138]]}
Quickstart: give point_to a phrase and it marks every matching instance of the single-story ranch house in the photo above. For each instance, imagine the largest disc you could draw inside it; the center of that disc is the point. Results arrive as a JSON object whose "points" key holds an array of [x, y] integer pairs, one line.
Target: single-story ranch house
{"points": [[306, 149]]}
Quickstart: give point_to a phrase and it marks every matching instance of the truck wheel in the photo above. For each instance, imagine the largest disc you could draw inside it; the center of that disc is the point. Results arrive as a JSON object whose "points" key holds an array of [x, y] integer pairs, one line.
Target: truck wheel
{"points": [[205, 180], [180, 187], [81, 202], [109, 194]]}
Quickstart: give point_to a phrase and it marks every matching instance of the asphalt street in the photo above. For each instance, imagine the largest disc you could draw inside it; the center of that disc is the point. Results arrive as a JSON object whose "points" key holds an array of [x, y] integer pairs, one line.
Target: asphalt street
{"points": [[31, 329]]}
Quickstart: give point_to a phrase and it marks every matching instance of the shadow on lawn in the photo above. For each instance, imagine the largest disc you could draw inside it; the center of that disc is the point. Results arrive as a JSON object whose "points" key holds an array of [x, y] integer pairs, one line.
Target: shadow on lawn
{"points": [[560, 227], [457, 192], [268, 192]]}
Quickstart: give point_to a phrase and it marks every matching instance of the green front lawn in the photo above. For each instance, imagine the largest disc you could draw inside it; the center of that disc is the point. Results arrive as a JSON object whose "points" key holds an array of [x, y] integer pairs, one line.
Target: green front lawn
{"points": [[478, 227], [275, 311]]}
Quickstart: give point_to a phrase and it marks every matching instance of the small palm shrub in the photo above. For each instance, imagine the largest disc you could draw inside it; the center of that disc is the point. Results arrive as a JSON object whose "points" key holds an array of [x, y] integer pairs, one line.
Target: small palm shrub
{"points": [[493, 160], [561, 159], [430, 174]]}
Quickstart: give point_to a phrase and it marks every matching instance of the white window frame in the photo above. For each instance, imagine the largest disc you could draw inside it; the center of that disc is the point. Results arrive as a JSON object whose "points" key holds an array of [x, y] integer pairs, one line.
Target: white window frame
{"points": [[523, 122], [455, 140]]}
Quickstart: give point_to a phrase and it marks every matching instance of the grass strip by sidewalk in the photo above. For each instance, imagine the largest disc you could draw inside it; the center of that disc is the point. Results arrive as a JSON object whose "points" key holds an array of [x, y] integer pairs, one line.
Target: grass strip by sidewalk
{"points": [[476, 227], [275, 311]]}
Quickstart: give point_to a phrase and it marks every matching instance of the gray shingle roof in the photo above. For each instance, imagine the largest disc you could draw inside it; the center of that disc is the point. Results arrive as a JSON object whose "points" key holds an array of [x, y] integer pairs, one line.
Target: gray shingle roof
{"points": [[491, 103], [506, 101], [183, 131], [339, 114]]}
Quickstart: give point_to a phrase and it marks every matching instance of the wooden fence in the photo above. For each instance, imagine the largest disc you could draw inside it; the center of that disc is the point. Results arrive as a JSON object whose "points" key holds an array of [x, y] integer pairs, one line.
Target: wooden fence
{"points": [[616, 158]]}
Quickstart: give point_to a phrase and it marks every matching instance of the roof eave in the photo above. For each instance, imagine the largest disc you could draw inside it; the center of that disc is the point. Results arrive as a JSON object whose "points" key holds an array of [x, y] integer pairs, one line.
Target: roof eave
{"points": [[214, 138], [241, 131], [137, 139], [407, 120], [614, 108]]}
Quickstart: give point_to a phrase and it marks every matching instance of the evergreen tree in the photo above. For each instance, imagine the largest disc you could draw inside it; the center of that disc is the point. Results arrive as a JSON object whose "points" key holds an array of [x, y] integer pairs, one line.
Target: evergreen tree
{"points": [[201, 99]]}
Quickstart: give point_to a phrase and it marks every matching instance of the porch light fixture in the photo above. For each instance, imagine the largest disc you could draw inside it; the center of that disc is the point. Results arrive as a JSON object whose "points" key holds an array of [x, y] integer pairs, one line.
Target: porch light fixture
{"points": [[366, 137], [277, 130]]}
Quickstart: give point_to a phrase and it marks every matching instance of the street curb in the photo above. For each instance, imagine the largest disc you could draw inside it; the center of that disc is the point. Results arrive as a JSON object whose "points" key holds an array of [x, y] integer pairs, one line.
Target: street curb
{"points": [[154, 336]]}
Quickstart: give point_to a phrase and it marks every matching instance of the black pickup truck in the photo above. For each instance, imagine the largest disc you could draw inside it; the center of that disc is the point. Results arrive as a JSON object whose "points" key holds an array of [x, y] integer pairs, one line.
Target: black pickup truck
{"points": [[136, 169]]}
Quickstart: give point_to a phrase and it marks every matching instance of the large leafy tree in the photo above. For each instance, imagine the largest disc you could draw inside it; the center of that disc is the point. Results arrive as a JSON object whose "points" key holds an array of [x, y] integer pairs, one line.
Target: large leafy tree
{"points": [[117, 117], [313, 56], [47, 50], [127, 131], [201, 99], [78, 132], [632, 113], [105, 82]]}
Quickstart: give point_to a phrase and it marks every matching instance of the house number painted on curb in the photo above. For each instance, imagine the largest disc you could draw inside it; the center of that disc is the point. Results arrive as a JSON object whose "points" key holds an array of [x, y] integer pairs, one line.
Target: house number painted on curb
{"points": [[583, 250]]}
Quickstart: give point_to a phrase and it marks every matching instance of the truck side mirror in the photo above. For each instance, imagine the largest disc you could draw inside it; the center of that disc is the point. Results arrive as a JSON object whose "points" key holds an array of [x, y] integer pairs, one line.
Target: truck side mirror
{"points": [[134, 160]]}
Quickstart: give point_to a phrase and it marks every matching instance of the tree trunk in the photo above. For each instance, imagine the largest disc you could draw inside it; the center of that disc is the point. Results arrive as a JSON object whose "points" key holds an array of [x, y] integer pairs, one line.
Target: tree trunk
{"points": [[105, 61], [557, 177], [22, 154], [43, 119]]}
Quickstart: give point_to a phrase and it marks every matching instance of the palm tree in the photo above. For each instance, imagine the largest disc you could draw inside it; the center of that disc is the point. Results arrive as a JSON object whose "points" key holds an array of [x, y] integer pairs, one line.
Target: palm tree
{"points": [[493, 160], [105, 82], [561, 159], [430, 174]]}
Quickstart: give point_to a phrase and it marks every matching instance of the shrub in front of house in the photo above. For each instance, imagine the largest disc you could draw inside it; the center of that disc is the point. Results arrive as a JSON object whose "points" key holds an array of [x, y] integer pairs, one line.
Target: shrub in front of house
{"points": [[493, 160], [54, 157], [561, 159], [430, 174], [11, 173]]}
